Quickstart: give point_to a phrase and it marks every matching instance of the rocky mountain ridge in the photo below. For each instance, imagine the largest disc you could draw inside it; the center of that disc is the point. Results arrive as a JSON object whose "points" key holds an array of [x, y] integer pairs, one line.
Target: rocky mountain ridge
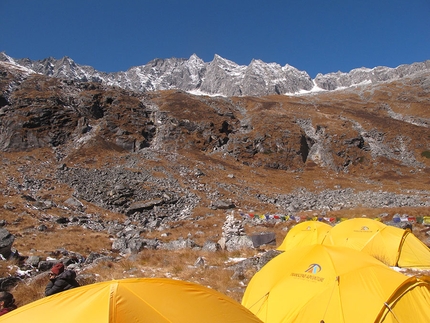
{"points": [[219, 77]]}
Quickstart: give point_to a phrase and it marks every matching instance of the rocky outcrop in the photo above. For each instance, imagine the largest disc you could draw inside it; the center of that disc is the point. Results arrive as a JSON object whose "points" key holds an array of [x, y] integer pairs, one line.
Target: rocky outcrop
{"points": [[233, 235], [348, 198]]}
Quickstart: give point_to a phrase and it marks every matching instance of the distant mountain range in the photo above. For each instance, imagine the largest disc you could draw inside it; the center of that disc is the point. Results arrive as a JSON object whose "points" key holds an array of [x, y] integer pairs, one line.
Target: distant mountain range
{"points": [[218, 77]]}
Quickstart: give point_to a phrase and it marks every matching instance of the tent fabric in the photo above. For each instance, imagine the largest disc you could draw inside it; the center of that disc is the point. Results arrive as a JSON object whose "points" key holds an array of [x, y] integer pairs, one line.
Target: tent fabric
{"points": [[353, 233], [317, 283], [413, 253], [393, 246], [134, 300], [305, 233], [413, 307]]}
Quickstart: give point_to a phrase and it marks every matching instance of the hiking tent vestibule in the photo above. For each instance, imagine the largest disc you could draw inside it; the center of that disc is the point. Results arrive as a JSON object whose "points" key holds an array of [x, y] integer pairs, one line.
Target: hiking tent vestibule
{"points": [[137, 300], [305, 233], [393, 246], [318, 283]]}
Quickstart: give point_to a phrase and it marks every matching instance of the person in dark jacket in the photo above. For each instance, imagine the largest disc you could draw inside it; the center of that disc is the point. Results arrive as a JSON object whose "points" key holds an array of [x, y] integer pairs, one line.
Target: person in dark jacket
{"points": [[7, 302], [60, 280]]}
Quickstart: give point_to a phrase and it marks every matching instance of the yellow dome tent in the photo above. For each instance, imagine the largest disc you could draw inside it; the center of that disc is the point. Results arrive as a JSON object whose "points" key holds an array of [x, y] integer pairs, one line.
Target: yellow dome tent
{"points": [[305, 233], [318, 283], [137, 300], [393, 246]]}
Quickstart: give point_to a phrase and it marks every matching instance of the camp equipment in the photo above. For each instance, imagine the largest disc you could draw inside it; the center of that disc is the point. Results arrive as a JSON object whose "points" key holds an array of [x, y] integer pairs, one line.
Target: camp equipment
{"points": [[305, 233], [393, 246], [318, 283], [134, 300]]}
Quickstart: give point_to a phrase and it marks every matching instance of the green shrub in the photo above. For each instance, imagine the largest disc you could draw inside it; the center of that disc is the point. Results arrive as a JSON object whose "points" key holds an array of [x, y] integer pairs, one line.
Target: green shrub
{"points": [[426, 154]]}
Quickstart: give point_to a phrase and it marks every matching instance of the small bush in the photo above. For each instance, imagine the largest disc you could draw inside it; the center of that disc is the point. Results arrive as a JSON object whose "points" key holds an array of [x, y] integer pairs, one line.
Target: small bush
{"points": [[426, 154]]}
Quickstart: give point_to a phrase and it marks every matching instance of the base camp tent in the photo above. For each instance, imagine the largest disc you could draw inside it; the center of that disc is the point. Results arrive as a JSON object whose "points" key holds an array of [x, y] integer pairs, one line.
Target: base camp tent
{"points": [[305, 233], [149, 300], [318, 283], [393, 246]]}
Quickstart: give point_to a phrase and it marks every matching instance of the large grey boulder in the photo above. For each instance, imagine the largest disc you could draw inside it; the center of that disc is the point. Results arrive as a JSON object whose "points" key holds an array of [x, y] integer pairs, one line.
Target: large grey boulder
{"points": [[264, 238], [239, 243], [6, 241]]}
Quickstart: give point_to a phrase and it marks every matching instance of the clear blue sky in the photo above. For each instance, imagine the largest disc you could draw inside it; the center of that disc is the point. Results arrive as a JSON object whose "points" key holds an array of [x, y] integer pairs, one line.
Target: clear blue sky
{"points": [[316, 36]]}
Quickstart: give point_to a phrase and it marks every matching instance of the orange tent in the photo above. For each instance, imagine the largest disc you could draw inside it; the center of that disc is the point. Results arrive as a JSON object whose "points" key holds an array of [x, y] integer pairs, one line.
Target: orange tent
{"points": [[393, 246], [134, 300], [305, 233], [318, 283]]}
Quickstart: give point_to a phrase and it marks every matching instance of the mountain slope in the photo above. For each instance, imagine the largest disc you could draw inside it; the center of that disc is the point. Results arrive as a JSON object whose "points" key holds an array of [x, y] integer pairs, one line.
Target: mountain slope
{"points": [[366, 146]]}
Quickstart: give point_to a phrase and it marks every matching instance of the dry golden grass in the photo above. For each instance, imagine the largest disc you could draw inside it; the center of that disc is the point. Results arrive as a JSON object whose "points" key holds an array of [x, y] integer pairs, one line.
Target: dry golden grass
{"points": [[6, 267], [30, 290], [76, 239], [178, 264]]}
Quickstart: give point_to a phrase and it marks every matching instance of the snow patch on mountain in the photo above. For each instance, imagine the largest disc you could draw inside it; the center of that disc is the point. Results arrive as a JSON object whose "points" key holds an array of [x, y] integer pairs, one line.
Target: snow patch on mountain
{"points": [[14, 66]]}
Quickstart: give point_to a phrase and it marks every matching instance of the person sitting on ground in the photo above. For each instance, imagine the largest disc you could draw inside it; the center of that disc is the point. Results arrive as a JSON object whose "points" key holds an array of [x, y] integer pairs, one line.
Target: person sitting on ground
{"points": [[7, 302], [60, 280]]}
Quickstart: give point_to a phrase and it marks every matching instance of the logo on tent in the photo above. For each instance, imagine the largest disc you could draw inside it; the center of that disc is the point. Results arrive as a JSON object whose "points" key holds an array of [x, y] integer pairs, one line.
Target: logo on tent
{"points": [[313, 268], [364, 228]]}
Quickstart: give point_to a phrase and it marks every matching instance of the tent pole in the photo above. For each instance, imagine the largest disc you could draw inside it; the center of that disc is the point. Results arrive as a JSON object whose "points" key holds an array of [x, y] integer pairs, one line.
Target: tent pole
{"points": [[329, 300], [389, 309]]}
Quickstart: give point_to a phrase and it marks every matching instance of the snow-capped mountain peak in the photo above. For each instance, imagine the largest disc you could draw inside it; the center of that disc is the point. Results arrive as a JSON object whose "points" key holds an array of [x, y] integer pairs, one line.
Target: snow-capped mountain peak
{"points": [[218, 77]]}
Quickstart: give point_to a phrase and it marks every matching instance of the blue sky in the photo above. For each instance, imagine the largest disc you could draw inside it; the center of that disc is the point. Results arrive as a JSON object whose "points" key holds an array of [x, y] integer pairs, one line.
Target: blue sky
{"points": [[316, 36]]}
